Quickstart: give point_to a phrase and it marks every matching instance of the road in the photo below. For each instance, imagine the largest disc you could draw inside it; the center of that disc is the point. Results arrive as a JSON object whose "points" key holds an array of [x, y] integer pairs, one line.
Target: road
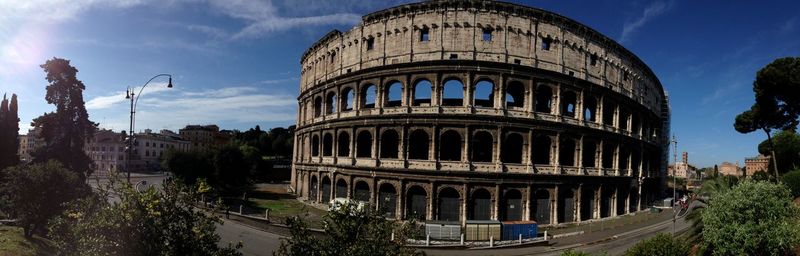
{"points": [[255, 242]]}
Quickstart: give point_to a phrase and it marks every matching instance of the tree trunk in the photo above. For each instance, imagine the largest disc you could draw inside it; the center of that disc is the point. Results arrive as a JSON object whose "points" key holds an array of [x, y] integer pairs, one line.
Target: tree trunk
{"points": [[772, 150]]}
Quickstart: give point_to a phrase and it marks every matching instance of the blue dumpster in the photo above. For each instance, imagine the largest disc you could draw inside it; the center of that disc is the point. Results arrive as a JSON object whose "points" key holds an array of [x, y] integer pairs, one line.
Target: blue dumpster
{"points": [[513, 229]]}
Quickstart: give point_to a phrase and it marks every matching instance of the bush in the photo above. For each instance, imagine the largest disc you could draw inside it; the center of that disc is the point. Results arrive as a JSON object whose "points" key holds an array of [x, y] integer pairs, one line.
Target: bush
{"points": [[570, 252], [753, 218], [792, 181], [661, 245]]}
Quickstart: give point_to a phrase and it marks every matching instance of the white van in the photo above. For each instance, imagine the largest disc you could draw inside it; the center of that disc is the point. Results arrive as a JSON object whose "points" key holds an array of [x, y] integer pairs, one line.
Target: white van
{"points": [[338, 202]]}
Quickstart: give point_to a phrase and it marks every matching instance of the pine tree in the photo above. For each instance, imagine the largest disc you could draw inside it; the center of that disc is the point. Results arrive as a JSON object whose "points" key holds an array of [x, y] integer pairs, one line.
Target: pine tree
{"points": [[66, 130]]}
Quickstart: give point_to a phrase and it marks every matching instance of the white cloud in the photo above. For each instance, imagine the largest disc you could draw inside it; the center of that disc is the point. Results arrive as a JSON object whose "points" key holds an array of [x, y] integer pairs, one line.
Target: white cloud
{"points": [[722, 91], [103, 102], [263, 18], [209, 30], [653, 10], [57, 10], [163, 109]]}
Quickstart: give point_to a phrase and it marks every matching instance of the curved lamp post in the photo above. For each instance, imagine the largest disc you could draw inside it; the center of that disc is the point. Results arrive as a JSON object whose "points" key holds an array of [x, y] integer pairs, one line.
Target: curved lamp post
{"points": [[130, 94]]}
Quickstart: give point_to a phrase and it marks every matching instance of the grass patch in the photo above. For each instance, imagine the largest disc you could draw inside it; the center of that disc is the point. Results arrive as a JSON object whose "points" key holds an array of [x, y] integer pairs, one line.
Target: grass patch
{"points": [[14, 243], [282, 205]]}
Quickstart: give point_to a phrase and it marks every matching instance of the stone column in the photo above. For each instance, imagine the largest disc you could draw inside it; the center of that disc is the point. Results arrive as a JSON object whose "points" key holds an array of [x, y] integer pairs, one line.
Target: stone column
{"points": [[527, 210], [554, 206], [376, 133], [464, 198], [556, 110], [579, 106], [496, 203], [578, 201], [579, 155], [431, 199], [554, 149]]}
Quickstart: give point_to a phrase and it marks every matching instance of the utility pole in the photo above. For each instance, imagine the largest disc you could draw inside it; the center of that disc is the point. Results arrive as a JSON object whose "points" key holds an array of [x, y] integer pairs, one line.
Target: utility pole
{"points": [[674, 179]]}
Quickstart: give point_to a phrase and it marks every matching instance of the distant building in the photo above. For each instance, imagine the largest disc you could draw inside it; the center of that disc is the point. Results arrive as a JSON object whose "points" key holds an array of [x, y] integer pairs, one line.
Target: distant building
{"points": [[28, 143], [727, 168], [150, 148], [681, 169], [107, 150], [204, 137], [754, 164]]}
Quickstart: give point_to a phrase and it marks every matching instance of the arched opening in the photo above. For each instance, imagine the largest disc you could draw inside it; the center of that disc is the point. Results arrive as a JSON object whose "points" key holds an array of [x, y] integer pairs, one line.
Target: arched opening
{"points": [[623, 119], [416, 203], [484, 94], [330, 103], [418, 145], [394, 94], [422, 93], [608, 112], [312, 189], [624, 156], [606, 201], [450, 146], [541, 149], [327, 145], [364, 144], [482, 147], [636, 125], [387, 200], [636, 161], [512, 149], [326, 189], [569, 104], [587, 203], [589, 151], [318, 106], [634, 200], [361, 191], [341, 188], [453, 93], [390, 142], [566, 154], [481, 205], [608, 155], [589, 108], [512, 205], [368, 94], [541, 206], [544, 99], [566, 205], [347, 99], [622, 197], [515, 95], [449, 205], [315, 145], [343, 145]]}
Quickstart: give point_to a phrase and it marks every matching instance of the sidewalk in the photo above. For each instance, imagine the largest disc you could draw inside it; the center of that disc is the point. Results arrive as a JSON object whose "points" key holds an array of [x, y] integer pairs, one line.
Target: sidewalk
{"points": [[639, 219]]}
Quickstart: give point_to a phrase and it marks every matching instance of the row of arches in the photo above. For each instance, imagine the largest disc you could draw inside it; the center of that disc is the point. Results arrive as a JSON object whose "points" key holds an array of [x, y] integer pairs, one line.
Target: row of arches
{"points": [[514, 95], [511, 147], [545, 206]]}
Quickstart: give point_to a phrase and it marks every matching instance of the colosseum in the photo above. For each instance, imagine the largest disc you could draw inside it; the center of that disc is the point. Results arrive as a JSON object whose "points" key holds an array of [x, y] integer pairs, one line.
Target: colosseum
{"points": [[479, 110]]}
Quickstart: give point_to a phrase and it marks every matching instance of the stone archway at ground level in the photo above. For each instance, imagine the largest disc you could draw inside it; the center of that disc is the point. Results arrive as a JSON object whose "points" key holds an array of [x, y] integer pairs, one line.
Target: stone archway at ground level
{"points": [[587, 203], [416, 203], [326, 190], [541, 206], [566, 205], [511, 205], [387, 200]]}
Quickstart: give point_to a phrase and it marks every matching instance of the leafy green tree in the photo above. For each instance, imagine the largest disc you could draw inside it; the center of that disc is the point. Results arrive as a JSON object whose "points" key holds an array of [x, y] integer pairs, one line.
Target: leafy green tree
{"points": [[787, 149], [792, 181], [189, 166], [753, 218], [710, 189], [66, 130], [760, 176], [570, 252], [661, 245], [232, 171], [777, 102], [9, 131], [37, 192], [151, 222], [350, 231]]}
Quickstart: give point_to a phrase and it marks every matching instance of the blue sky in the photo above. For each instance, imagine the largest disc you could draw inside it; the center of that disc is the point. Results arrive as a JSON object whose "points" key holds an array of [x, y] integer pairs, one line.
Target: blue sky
{"points": [[236, 63]]}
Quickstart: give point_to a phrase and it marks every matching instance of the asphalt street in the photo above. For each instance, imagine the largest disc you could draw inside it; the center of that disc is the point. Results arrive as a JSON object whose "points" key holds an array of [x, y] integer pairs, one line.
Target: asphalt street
{"points": [[255, 242]]}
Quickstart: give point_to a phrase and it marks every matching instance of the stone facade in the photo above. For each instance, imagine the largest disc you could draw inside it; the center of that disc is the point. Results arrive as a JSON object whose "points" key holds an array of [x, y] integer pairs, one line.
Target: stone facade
{"points": [[727, 168], [758, 163], [456, 110]]}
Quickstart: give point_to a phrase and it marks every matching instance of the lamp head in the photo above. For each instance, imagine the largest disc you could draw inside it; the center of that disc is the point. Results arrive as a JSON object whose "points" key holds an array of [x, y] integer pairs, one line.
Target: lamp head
{"points": [[169, 85], [127, 94]]}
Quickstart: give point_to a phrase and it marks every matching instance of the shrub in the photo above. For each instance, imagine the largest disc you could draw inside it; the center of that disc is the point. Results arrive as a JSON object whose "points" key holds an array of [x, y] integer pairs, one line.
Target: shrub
{"points": [[661, 245], [792, 181]]}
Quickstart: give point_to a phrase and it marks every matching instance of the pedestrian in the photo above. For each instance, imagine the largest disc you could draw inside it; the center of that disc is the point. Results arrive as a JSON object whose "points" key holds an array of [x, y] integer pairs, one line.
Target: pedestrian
{"points": [[227, 212]]}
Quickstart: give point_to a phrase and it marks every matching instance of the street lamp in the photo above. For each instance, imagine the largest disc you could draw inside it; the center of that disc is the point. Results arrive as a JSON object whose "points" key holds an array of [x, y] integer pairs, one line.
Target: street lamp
{"points": [[674, 179], [131, 95]]}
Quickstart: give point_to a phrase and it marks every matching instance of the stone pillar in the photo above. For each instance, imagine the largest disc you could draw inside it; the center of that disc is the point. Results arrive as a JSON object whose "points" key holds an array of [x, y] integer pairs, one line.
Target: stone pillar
{"points": [[464, 198], [554, 149], [579, 111], [527, 210], [578, 201], [375, 135], [616, 159], [556, 101], [496, 203], [529, 152], [466, 141], [554, 206], [431, 198], [500, 93], [498, 138], [614, 202], [599, 116], [401, 201], [353, 139], [598, 202], [579, 155]]}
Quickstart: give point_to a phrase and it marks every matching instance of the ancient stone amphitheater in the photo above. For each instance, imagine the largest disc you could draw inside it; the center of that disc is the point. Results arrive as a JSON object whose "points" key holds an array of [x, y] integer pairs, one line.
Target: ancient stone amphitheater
{"points": [[479, 110]]}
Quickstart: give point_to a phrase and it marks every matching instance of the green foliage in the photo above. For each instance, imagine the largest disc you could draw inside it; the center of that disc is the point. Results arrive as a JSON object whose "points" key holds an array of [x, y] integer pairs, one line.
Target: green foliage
{"points": [[752, 218], [152, 222], [787, 150], [570, 252], [760, 176], [350, 231], [792, 181], [227, 169], [9, 131], [277, 142], [37, 192], [711, 188], [661, 245], [66, 130]]}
